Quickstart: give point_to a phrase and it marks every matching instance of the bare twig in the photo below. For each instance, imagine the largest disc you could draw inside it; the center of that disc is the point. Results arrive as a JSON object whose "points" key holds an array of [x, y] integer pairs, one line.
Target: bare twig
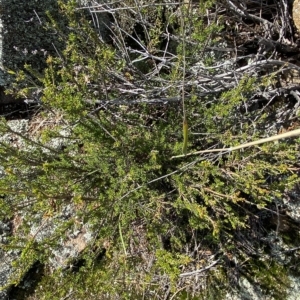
{"points": [[199, 271]]}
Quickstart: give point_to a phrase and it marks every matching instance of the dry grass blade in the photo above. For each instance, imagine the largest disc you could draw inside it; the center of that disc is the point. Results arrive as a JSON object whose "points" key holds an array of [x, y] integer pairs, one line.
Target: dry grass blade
{"points": [[273, 138]]}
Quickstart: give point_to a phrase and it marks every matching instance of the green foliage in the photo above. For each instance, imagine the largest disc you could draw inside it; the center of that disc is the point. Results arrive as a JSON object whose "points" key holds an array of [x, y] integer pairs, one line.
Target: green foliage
{"points": [[151, 216]]}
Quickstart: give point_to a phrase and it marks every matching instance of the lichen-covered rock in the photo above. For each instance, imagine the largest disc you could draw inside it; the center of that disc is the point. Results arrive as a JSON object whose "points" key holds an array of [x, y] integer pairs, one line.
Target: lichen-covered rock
{"points": [[25, 38]]}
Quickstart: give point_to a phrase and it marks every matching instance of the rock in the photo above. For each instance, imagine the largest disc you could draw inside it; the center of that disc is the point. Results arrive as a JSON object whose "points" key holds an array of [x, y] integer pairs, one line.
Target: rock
{"points": [[25, 38], [76, 238], [296, 14]]}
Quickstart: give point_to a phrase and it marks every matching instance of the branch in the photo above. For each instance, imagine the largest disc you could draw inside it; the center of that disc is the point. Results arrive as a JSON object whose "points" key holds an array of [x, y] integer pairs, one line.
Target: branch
{"points": [[245, 14]]}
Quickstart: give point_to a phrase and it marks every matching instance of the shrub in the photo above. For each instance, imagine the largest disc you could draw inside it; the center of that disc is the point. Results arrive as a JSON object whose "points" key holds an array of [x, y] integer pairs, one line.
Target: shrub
{"points": [[154, 219]]}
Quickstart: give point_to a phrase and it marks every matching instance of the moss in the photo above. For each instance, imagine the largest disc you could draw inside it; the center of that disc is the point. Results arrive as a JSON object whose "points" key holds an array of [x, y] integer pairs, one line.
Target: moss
{"points": [[270, 276]]}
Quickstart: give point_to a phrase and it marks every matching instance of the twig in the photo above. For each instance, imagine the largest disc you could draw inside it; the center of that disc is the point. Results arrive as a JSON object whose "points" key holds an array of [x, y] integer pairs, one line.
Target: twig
{"points": [[100, 7], [245, 14], [199, 271], [37, 16], [183, 168]]}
